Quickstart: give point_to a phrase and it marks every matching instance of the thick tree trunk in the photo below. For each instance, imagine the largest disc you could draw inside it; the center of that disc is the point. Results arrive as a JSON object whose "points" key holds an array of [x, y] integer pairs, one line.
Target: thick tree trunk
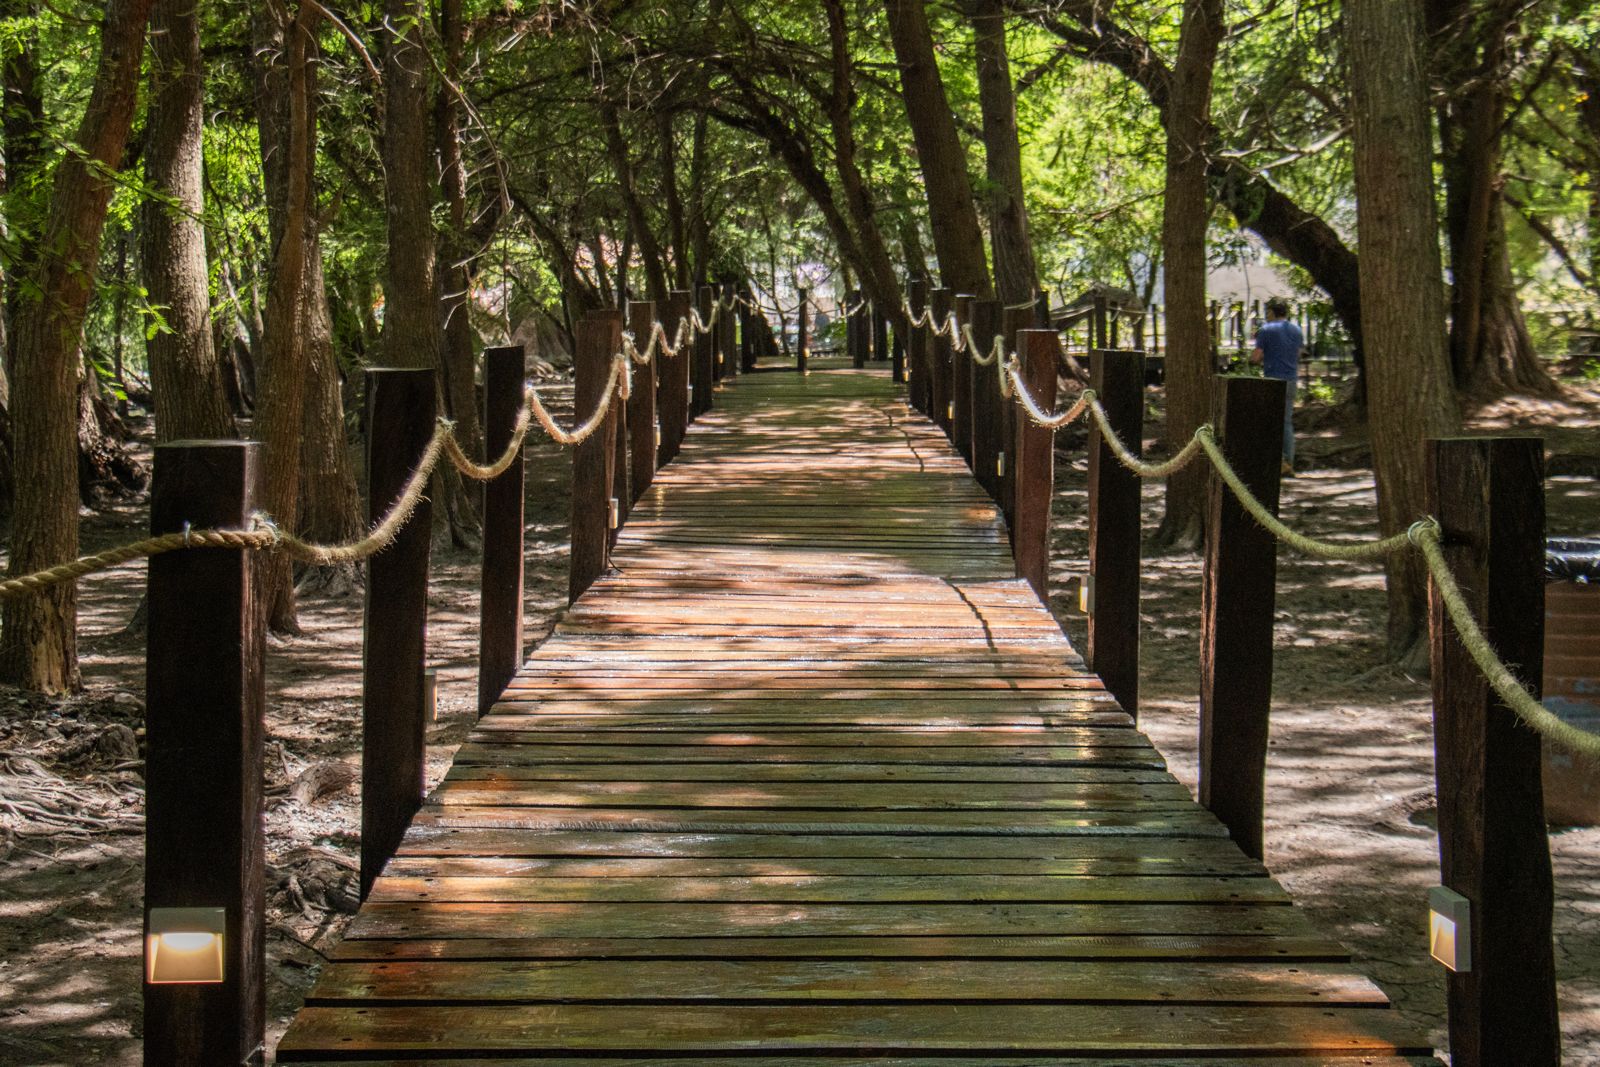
{"points": [[330, 504], [1409, 392], [669, 187], [1015, 274], [286, 110], [655, 272], [38, 640], [1186, 215], [185, 373], [957, 237]]}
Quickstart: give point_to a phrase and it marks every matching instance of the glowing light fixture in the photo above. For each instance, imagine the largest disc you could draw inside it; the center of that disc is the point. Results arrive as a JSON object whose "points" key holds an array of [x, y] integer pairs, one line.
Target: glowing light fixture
{"points": [[184, 945], [614, 514], [1000, 465], [430, 693], [658, 435], [1450, 929], [1086, 594], [950, 410]]}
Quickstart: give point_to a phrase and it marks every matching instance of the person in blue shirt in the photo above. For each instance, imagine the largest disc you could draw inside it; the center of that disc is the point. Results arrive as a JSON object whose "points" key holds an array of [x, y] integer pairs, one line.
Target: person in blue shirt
{"points": [[1278, 346]]}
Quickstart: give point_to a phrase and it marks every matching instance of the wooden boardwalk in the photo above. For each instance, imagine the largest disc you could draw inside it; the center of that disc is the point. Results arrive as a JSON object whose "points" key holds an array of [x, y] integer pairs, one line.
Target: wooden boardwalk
{"points": [[814, 776]]}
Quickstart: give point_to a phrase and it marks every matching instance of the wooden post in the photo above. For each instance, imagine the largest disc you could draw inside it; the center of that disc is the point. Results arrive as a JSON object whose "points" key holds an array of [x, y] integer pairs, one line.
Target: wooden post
{"points": [[880, 334], [1041, 310], [1237, 596], [599, 337], [642, 407], [1099, 328], [620, 437], [917, 348], [803, 329], [747, 339], [702, 379], [1113, 653], [673, 404], [1012, 322], [897, 351], [204, 836], [961, 386], [400, 420], [728, 326], [500, 644], [1039, 352], [1488, 495], [986, 399], [1155, 328], [939, 361]]}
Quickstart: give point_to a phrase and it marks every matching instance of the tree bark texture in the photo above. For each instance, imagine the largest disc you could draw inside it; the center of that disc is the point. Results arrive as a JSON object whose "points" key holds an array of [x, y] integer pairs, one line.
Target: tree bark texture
{"points": [[676, 224], [410, 295], [957, 237], [1015, 274], [1185, 217], [185, 372], [655, 271], [456, 270], [1409, 392]]}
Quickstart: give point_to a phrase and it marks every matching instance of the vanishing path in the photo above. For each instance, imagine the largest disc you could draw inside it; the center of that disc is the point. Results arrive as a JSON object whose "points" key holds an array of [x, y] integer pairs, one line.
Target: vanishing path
{"points": [[814, 775]]}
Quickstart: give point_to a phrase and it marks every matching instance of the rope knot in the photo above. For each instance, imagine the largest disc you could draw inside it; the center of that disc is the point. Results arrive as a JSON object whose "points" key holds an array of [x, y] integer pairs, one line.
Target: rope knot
{"points": [[1425, 526], [263, 521]]}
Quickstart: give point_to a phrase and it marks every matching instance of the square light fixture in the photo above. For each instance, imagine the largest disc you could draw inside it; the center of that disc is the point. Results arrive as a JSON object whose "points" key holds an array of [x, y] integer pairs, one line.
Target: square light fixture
{"points": [[613, 513], [1086, 594], [184, 945], [1450, 929], [1000, 465]]}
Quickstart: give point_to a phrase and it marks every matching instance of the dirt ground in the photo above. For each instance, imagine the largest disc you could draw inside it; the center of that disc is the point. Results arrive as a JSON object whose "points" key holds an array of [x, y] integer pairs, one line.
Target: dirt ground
{"points": [[1350, 787]]}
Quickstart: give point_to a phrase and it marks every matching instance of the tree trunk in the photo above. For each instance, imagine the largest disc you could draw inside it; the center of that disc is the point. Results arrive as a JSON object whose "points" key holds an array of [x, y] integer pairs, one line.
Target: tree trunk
{"points": [[330, 504], [655, 272], [669, 185], [286, 111], [1185, 217], [1409, 392], [957, 237], [1015, 274], [38, 639], [185, 373]]}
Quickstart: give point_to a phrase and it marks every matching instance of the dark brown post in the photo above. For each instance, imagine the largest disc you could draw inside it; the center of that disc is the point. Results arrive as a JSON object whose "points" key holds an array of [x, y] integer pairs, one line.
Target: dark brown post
{"points": [[702, 377], [1099, 328], [855, 329], [642, 406], [803, 329], [986, 399], [1113, 653], [1041, 310], [1012, 322], [747, 339], [400, 419], [1038, 351], [961, 386], [1237, 597], [917, 348], [939, 360], [675, 371], [880, 334], [897, 351], [620, 437], [204, 836], [500, 605], [599, 337], [719, 356], [1488, 495], [728, 326]]}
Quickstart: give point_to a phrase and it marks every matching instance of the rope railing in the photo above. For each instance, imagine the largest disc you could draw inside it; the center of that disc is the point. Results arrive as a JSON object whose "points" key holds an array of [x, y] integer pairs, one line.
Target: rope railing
{"points": [[267, 535], [1423, 536]]}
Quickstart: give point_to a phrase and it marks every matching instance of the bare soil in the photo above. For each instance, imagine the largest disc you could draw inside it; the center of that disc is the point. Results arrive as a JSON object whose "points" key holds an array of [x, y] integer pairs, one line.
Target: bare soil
{"points": [[1350, 782]]}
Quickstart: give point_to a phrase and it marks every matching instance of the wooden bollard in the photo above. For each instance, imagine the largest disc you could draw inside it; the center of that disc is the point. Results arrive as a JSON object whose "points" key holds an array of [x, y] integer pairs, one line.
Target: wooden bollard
{"points": [[621, 495], [1236, 607], [1099, 327], [897, 351], [986, 399], [917, 348], [802, 348], [747, 338], [1039, 351], [599, 337], [1113, 597], [204, 832], [728, 329], [400, 419], [1041, 310], [961, 384], [642, 406], [943, 302], [674, 393], [500, 644], [1012, 322], [702, 377], [1488, 495], [880, 334]]}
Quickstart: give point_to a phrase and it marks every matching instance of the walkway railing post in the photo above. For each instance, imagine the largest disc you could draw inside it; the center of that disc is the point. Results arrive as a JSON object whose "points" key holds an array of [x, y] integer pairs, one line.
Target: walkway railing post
{"points": [[986, 399], [1012, 322], [943, 301], [401, 409], [674, 402], [1039, 352], [1488, 495], [702, 379], [802, 347], [897, 351], [621, 495], [1041, 310], [917, 375], [1113, 595], [747, 339], [642, 406], [880, 334], [1237, 598], [500, 644], [961, 385], [204, 834], [599, 337], [728, 329]]}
